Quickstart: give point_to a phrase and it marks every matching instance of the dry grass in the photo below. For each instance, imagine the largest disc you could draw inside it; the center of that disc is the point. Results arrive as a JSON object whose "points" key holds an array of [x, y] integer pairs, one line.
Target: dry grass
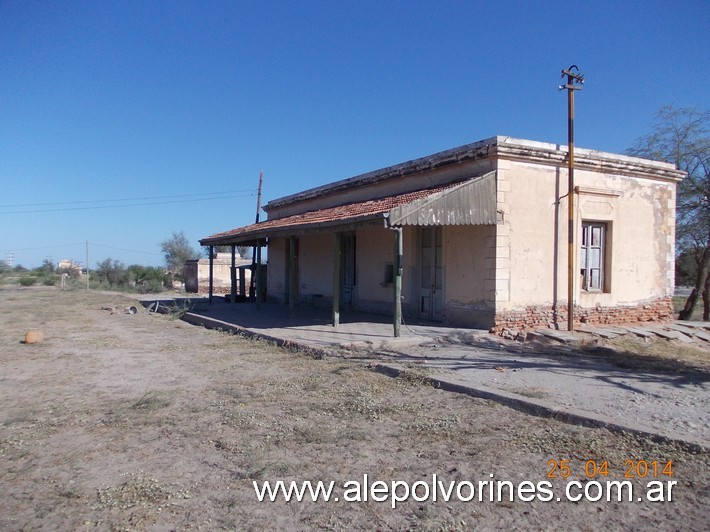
{"points": [[143, 422], [658, 355]]}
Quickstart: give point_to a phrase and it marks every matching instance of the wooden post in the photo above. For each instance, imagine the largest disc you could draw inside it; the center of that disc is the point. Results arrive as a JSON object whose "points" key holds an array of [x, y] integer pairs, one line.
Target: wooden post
{"points": [[336, 280], [397, 266], [211, 273], [570, 213], [257, 272], [233, 275], [252, 287], [292, 273], [574, 83]]}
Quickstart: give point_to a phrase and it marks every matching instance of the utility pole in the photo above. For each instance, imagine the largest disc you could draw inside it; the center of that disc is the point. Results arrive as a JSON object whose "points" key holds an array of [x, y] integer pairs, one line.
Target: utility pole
{"points": [[256, 251], [574, 83]]}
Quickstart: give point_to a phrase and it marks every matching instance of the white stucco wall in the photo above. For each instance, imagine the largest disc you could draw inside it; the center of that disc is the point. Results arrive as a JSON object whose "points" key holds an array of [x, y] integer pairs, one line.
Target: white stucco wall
{"points": [[639, 214], [315, 264], [375, 249], [469, 269]]}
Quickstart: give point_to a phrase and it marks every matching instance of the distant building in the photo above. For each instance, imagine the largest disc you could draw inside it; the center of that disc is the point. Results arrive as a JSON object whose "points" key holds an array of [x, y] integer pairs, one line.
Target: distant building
{"points": [[484, 237], [197, 274], [70, 266]]}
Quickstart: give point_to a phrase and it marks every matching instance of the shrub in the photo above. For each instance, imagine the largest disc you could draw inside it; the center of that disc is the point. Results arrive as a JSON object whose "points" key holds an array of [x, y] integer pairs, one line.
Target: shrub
{"points": [[27, 281]]}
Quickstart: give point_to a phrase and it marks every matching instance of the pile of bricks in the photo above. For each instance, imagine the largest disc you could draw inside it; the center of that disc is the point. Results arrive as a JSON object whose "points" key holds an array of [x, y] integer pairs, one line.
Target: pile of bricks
{"points": [[660, 310]]}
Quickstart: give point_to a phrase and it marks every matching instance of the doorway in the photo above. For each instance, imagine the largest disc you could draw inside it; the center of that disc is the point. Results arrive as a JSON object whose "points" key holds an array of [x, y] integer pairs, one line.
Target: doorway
{"points": [[432, 272], [297, 273], [348, 270]]}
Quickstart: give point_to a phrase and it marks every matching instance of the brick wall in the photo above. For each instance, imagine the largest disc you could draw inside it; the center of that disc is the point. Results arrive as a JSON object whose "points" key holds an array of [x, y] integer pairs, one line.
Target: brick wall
{"points": [[660, 310]]}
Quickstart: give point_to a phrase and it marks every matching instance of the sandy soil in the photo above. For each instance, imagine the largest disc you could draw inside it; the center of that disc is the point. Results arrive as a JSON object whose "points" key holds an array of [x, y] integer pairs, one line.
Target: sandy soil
{"points": [[135, 422]]}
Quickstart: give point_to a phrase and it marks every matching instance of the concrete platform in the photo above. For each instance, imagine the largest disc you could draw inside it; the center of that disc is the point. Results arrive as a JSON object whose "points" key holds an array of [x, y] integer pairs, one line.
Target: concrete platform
{"points": [[313, 327]]}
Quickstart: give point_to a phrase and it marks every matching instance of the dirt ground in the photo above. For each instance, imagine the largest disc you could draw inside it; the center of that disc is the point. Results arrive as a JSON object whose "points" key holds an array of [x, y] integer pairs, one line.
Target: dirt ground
{"points": [[143, 422]]}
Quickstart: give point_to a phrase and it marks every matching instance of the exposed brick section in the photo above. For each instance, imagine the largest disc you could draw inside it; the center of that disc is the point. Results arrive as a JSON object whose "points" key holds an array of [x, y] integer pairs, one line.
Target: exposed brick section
{"points": [[660, 310]]}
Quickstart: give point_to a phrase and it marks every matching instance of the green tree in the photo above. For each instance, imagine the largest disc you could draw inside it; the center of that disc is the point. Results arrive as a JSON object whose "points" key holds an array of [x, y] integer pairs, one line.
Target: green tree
{"points": [[177, 250], [680, 136], [111, 272], [147, 279]]}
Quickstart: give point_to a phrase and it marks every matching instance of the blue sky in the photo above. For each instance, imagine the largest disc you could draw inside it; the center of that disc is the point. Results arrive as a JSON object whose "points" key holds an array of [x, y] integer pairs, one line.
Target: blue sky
{"points": [[184, 103]]}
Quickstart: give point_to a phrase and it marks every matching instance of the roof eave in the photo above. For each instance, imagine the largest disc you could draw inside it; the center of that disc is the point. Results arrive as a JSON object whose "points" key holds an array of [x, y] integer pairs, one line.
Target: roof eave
{"points": [[252, 237]]}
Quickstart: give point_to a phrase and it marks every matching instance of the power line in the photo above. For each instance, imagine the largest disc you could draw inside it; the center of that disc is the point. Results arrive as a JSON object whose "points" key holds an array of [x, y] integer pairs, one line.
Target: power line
{"points": [[124, 249], [48, 247], [93, 244], [126, 205], [126, 199]]}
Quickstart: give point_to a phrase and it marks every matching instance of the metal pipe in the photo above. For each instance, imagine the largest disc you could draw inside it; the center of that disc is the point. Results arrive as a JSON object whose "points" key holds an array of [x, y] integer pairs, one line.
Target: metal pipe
{"points": [[211, 273], [257, 272]]}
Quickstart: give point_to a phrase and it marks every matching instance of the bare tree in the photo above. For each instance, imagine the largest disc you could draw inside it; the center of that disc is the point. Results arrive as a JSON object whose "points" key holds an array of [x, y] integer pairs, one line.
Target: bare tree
{"points": [[680, 136]]}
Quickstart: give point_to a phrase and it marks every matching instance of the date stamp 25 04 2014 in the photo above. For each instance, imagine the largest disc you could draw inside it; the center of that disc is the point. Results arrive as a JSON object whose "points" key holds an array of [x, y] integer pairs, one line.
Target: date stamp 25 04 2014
{"points": [[600, 468]]}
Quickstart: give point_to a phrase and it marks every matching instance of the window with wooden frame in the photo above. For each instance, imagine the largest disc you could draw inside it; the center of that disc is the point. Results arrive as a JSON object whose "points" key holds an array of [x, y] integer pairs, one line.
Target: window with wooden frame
{"points": [[592, 257]]}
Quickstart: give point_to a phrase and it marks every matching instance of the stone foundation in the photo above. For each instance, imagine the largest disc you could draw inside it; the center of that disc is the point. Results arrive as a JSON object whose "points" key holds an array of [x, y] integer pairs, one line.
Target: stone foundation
{"points": [[660, 310], [205, 289]]}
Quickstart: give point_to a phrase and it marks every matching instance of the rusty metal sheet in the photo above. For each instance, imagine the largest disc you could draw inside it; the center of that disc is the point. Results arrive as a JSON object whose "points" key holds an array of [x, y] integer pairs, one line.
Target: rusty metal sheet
{"points": [[473, 202]]}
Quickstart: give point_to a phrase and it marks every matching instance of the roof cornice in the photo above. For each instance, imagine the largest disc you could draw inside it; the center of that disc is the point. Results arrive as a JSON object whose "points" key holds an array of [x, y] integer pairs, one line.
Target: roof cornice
{"points": [[585, 159], [497, 147]]}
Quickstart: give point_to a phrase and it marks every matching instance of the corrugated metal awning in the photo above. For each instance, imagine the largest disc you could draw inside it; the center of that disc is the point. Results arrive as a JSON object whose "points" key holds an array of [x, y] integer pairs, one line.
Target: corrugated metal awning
{"points": [[472, 202]]}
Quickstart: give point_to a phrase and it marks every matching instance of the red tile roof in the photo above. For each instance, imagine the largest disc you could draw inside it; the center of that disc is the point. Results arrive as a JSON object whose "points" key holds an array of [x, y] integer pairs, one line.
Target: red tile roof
{"points": [[350, 212]]}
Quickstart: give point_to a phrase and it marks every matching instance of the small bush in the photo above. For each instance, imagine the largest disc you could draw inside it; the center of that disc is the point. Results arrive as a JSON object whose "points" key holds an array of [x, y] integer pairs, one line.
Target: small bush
{"points": [[152, 286], [27, 281], [49, 281]]}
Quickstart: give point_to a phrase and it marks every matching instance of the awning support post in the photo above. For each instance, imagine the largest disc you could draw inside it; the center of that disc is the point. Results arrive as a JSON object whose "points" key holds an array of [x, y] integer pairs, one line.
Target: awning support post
{"points": [[233, 275], [397, 267], [336, 279], [257, 272], [211, 273]]}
